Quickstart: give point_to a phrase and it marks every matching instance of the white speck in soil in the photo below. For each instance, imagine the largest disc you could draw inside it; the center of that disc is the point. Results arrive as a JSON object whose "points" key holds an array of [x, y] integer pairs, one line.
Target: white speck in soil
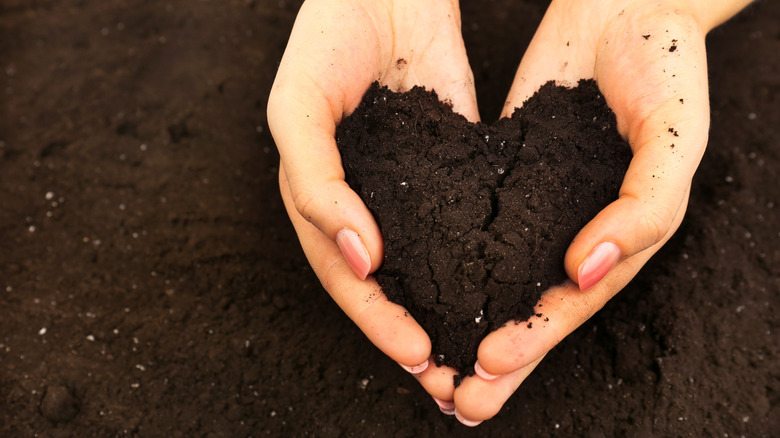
{"points": [[729, 179], [91, 338], [31, 228], [49, 196], [42, 331], [752, 116], [143, 147]]}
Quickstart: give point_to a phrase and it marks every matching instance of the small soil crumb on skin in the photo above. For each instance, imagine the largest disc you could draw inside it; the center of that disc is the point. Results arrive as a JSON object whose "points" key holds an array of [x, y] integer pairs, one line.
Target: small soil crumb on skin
{"points": [[477, 218], [58, 404], [646, 36]]}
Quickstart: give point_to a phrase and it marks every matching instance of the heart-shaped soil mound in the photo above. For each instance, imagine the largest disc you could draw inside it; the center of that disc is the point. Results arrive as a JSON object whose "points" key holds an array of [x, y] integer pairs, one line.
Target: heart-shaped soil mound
{"points": [[477, 218]]}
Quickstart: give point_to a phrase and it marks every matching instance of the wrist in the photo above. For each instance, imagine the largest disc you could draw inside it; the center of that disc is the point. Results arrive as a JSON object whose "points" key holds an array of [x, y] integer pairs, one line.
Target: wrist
{"points": [[708, 13], [712, 13]]}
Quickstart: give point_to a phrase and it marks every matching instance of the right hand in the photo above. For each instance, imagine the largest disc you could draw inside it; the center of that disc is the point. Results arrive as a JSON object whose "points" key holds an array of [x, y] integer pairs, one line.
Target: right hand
{"points": [[336, 50]]}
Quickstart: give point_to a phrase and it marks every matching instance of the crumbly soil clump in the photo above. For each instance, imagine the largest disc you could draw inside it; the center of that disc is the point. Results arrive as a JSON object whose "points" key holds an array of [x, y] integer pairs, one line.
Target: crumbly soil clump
{"points": [[477, 218]]}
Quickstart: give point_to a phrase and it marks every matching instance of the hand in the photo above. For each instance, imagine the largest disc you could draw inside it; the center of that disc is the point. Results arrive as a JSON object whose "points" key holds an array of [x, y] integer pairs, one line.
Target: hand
{"points": [[336, 50], [648, 58]]}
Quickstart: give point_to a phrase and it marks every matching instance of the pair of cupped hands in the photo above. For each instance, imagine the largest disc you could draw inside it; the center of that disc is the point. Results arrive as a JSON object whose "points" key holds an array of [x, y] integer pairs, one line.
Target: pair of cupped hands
{"points": [[648, 58]]}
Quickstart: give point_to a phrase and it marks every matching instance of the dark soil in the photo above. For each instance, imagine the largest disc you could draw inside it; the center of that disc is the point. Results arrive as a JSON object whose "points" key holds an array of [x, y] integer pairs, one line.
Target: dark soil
{"points": [[150, 280], [477, 218]]}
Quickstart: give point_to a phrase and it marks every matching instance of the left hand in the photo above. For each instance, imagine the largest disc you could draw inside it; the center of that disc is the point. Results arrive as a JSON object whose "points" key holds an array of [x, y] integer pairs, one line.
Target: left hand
{"points": [[649, 61]]}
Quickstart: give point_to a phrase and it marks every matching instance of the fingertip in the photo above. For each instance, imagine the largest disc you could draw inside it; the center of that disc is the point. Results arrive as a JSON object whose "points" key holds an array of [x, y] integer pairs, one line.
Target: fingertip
{"points": [[484, 374], [438, 381], [416, 369], [390, 327], [418, 349], [465, 421], [446, 406], [499, 353]]}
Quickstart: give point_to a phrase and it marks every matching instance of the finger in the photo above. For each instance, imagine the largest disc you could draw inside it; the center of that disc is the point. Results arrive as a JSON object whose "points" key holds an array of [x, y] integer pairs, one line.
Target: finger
{"points": [[477, 400], [438, 382], [560, 311], [659, 95], [386, 324], [308, 98]]}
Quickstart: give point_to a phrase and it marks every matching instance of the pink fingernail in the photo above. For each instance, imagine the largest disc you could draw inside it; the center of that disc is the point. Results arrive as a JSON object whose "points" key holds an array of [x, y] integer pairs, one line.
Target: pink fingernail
{"points": [[466, 422], [446, 407], [354, 251], [417, 369], [597, 264], [482, 373]]}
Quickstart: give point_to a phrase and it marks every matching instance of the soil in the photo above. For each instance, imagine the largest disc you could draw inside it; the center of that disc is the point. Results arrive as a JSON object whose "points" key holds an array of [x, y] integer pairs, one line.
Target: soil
{"points": [[151, 285], [477, 218]]}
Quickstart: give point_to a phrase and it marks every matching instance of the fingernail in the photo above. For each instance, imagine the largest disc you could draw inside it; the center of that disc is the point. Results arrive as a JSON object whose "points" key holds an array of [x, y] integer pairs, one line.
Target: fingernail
{"points": [[482, 373], [417, 369], [597, 264], [354, 251], [466, 422], [446, 407]]}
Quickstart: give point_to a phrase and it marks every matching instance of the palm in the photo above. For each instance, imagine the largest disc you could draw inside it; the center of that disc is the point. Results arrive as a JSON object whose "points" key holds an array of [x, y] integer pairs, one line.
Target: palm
{"points": [[341, 47]]}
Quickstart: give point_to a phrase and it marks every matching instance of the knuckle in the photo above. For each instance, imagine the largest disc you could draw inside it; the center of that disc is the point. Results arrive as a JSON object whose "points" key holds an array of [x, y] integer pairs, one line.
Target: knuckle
{"points": [[654, 224], [305, 203], [329, 273]]}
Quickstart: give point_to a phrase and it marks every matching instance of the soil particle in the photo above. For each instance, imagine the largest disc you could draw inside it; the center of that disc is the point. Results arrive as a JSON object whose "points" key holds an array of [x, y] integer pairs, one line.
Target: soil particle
{"points": [[477, 218], [58, 404]]}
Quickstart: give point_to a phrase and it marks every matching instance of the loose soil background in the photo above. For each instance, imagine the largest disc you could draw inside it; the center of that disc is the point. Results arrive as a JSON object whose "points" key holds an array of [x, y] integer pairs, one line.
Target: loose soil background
{"points": [[147, 265]]}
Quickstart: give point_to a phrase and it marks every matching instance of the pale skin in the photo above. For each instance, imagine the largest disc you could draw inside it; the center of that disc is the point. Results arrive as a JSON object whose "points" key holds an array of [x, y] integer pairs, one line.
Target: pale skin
{"points": [[339, 47]]}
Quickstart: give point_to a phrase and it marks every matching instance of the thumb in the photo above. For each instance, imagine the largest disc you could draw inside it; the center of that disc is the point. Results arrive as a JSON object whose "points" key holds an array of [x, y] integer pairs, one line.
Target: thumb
{"points": [[668, 138], [304, 131]]}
